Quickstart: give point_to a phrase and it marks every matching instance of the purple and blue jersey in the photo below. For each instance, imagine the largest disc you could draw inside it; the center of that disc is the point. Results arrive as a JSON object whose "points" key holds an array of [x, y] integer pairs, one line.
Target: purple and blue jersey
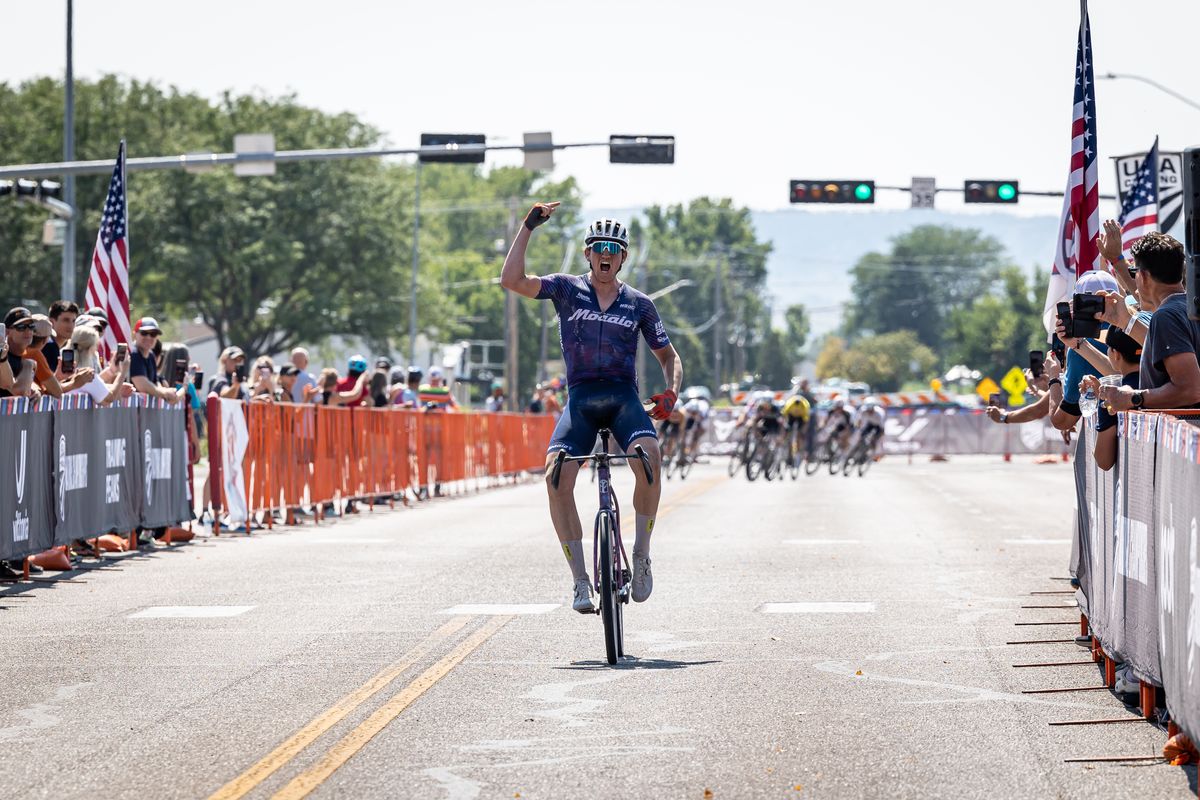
{"points": [[601, 345]]}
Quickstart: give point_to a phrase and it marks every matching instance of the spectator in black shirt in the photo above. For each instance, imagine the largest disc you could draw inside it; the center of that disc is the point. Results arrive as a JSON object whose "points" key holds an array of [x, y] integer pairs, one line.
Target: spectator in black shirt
{"points": [[1170, 371], [229, 382], [143, 365], [1124, 353], [63, 314]]}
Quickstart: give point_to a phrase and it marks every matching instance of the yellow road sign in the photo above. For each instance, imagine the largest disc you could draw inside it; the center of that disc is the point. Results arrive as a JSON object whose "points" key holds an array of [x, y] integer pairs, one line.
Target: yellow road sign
{"points": [[1014, 383], [986, 388]]}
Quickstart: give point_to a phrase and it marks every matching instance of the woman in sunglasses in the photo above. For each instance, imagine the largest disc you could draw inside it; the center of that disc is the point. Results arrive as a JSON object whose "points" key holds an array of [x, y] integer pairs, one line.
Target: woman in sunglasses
{"points": [[599, 322]]}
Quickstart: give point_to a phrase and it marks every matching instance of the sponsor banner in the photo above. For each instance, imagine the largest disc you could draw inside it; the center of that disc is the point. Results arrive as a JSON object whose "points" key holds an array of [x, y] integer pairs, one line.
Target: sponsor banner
{"points": [[1134, 627], [1170, 187], [1081, 545], [77, 460], [1178, 570], [118, 465], [26, 521], [235, 439], [162, 433]]}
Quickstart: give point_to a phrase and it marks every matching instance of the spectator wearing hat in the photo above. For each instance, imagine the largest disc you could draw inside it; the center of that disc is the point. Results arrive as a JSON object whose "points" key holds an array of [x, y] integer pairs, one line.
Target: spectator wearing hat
{"points": [[143, 364], [304, 378], [1064, 387], [407, 396], [495, 401], [1169, 371], [289, 377], [62, 314], [436, 394], [355, 382], [229, 382], [31, 374], [1125, 355]]}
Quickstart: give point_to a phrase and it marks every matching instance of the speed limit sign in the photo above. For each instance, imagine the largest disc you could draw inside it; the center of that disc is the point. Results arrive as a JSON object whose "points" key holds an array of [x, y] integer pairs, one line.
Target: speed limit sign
{"points": [[923, 190]]}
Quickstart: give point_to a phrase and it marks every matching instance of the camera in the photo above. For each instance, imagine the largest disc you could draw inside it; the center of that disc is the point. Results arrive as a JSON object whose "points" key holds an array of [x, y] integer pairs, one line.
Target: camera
{"points": [[181, 368], [198, 380], [1086, 307], [242, 371], [1036, 359]]}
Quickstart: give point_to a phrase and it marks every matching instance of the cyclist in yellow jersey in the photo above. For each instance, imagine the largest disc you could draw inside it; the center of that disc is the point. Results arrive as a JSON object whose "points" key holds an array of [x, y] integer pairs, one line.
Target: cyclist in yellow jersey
{"points": [[796, 412]]}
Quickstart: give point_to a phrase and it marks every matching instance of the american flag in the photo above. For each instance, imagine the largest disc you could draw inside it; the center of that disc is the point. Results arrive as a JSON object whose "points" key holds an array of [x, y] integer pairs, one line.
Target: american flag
{"points": [[108, 283], [1139, 212], [1077, 251]]}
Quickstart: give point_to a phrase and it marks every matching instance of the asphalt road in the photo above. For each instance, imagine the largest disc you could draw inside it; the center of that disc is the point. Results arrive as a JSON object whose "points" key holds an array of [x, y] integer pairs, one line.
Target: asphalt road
{"points": [[358, 659]]}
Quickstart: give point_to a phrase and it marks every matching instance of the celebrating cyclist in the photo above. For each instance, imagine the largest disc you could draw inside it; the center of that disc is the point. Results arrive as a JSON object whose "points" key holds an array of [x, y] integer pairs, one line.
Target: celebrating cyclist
{"points": [[599, 320]]}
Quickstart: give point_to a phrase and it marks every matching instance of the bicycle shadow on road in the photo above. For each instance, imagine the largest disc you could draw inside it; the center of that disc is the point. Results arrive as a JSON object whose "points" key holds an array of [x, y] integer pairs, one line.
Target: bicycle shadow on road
{"points": [[633, 662]]}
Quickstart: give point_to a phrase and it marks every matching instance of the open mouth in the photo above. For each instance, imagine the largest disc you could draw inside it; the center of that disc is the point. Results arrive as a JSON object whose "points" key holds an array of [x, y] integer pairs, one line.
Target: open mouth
{"points": [[605, 265]]}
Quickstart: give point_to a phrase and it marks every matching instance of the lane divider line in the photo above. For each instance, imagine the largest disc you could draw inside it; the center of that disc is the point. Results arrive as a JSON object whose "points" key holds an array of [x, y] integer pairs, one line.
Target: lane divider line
{"points": [[290, 748], [695, 490], [304, 783]]}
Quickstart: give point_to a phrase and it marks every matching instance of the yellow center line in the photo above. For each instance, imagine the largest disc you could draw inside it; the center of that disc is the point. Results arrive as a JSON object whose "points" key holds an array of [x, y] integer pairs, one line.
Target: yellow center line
{"points": [[290, 748], [695, 490], [357, 739]]}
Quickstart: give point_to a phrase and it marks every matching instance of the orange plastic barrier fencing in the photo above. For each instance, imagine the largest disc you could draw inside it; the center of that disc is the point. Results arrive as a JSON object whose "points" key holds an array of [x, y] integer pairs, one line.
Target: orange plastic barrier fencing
{"points": [[302, 455]]}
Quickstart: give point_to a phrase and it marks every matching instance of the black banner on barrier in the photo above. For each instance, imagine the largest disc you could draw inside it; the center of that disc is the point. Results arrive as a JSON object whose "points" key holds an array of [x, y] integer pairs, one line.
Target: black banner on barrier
{"points": [[1134, 626], [1177, 477], [77, 461], [26, 524], [164, 464], [119, 472]]}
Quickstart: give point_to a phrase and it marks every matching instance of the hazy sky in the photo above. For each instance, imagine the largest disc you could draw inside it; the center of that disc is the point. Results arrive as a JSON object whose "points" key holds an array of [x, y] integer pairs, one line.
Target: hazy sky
{"points": [[755, 92]]}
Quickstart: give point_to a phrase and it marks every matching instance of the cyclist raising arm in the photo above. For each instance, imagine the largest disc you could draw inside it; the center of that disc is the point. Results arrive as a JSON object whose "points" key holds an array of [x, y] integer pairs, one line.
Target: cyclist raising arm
{"points": [[599, 319]]}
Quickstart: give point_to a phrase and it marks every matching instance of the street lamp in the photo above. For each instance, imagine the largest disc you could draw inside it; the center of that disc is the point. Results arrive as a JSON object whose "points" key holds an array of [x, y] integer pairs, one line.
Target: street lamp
{"points": [[1112, 76]]}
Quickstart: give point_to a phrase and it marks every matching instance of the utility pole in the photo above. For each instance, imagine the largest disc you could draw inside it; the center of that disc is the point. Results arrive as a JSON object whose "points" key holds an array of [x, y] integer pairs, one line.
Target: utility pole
{"points": [[511, 329], [68, 253], [416, 251], [719, 327]]}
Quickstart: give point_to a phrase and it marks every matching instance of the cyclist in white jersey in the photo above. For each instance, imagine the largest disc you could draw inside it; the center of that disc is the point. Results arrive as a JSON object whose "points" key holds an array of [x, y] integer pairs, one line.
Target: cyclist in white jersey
{"points": [[698, 407]]}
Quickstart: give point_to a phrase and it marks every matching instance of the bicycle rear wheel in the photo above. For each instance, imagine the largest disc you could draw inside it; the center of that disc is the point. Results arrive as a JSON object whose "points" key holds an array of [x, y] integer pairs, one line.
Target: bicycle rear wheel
{"points": [[610, 603], [814, 460]]}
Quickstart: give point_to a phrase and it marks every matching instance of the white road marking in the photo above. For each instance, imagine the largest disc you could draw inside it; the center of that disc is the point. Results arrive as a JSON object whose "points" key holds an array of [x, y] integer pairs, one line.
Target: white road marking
{"points": [[822, 541], [1037, 541], [189, 612], [456, 787], [818, 607], [39, 715], [496, 609], [347, 540]]}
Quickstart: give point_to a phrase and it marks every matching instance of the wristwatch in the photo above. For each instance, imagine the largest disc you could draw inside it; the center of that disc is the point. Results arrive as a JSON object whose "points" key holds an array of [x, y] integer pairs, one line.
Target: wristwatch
{"points": [[1004, 417], [1139, 399]]}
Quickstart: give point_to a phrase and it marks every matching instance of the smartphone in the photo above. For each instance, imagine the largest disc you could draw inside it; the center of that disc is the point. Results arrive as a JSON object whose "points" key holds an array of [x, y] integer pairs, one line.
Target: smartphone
{"points": [[181, 368], [1060, 351], [1036, 359], [3, 330], [994, 399], [122, 351], [1084, 323], [67, 357], [198, 380], [242, 371], [264, 373]]}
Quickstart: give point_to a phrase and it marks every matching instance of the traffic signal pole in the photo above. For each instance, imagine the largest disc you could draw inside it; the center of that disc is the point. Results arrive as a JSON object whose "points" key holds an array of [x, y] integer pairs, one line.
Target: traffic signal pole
{"points": [[68, 253]]}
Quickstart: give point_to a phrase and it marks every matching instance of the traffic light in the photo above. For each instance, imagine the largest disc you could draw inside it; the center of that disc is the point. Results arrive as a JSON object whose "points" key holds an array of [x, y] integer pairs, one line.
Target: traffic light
{"points": [[450, 157], [836, 191], [976, 191], [625, 149], [32, 190]]}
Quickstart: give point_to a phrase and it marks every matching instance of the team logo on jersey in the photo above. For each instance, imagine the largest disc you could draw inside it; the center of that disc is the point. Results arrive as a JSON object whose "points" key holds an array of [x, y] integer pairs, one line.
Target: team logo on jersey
{"points": [[582, 296], [595, 316]]}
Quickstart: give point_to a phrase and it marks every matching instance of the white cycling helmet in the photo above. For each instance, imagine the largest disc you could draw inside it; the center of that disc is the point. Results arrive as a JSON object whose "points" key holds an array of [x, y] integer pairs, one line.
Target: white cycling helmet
{"points": [[607, 230]]}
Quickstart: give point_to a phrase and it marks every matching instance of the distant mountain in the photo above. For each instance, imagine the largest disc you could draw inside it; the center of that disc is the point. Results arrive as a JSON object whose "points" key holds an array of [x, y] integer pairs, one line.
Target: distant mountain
{"points": [[814, 250]]}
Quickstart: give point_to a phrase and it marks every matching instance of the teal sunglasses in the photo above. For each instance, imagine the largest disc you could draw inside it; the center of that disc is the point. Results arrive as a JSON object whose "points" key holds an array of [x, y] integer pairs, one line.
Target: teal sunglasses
{"points": [[601, 248]]}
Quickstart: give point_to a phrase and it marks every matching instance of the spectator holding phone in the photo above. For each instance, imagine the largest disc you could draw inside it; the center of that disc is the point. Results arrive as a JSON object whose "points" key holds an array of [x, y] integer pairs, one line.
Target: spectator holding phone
{"points": [[80, 350], [1064, 388], [263, 388], [229, 383], [21, 330], [63, 314], [1125, 353], [1169, 375], [143, 366]]}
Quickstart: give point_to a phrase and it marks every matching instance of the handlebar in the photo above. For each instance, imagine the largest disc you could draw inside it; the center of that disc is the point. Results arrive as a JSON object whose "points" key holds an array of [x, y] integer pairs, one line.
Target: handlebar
{"points": [[638, 453]]}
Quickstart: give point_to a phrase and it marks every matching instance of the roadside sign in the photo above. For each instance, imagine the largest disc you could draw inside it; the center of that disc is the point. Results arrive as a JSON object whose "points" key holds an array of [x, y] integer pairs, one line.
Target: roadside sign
{"points": [[255, 154], [1014, 383], [986, 387], [922, 192], [1170, 187], [539, 160]]}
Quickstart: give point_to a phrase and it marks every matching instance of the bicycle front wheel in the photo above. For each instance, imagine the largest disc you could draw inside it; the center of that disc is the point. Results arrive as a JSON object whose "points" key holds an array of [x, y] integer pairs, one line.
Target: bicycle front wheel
{"points": [[685, 466], [753, 464], [610, 603]]}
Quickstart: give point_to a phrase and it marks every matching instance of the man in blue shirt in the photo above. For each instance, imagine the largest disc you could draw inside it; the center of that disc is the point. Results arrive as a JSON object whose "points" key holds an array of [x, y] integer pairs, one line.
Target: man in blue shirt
{"points": [[1064, 392], [599, 322]]}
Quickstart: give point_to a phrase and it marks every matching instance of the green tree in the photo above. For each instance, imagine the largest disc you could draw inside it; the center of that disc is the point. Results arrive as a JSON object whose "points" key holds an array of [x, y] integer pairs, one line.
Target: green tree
{"points": [[929, 271], [798, 326], [996, 331], [884, 361]]}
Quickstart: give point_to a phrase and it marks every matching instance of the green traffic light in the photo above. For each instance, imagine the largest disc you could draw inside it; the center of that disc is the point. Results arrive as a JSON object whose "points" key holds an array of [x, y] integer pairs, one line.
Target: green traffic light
{"points": [[862, 191], [1006, 191]]}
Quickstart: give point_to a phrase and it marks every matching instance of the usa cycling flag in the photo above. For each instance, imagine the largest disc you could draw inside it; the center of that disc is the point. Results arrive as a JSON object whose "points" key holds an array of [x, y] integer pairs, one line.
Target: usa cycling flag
{"points": [[1139, 212]]}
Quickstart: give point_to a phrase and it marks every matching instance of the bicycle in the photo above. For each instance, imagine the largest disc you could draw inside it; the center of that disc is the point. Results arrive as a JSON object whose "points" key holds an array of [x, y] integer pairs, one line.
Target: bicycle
{"points": [[764, 458], [612, 569], [740, 454], [859, 456], [825, 453]]}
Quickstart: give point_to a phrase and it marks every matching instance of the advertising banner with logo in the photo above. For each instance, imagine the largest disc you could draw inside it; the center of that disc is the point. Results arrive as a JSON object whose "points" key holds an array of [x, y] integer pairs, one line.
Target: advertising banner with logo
{"points": [[77, 461], [235, 438], [1178, 564], [1134, 626], [162, 437], [119, 471], [1081, 552], [26, 522]]}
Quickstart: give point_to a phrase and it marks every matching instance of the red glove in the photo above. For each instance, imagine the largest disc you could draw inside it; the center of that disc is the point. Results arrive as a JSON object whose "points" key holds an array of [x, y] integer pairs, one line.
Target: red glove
{"points": [[663, 403]]}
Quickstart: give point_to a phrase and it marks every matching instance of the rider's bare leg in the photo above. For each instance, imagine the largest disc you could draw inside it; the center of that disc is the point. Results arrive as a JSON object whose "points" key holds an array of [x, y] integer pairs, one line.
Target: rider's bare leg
{"points": [[565, 515], [645, 494]]}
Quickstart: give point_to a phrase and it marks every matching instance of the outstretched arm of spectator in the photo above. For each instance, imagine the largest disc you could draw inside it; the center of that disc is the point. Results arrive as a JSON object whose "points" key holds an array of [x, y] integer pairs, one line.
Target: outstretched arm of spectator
{"points": [[1029, 413], [143, 385], [1109, 243], [1182, 391], [1095, 357], [6, 376]]}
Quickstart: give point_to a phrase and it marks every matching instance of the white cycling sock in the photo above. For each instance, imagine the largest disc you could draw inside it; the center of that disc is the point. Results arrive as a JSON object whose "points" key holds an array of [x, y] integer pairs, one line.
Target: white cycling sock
{"points": [[574, 553], [643, 527]]}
